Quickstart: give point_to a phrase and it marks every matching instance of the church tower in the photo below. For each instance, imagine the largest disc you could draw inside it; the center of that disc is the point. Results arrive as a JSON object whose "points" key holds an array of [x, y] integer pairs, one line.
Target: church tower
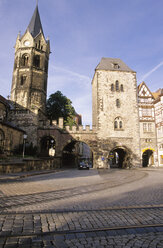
{"points": [[29, 83]]}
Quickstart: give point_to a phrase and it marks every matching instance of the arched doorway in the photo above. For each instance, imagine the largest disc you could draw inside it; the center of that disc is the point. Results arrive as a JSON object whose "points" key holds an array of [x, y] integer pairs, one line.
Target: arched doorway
{"points": [[118, 158], [76, 152], [47, 146], [147, 158]]}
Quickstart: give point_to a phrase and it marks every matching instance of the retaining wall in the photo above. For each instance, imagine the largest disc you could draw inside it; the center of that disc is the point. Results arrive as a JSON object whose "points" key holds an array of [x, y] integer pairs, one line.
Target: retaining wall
{"points": [[30, 165]]}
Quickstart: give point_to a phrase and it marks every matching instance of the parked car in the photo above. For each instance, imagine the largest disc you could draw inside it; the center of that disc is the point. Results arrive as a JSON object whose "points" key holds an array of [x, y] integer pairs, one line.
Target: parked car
{"points": [[83, 165]]}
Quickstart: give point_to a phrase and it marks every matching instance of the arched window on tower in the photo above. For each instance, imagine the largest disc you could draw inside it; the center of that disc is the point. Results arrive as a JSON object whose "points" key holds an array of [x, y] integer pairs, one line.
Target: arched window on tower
{"points": [[117, 85], [115, 124], [25, 60], [36, 61], [16, 63], [118, 124], [23, 79], [118, 103], [122, 87], [46, 66], [112, 87]]}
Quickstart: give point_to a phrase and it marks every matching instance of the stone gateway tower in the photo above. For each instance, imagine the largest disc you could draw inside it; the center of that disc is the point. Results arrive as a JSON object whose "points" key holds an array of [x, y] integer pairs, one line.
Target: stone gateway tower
{"points": [[29, 83], [115, 110]]}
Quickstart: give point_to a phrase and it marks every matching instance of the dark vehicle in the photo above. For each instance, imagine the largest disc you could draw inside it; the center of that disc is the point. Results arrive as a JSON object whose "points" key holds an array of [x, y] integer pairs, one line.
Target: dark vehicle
{"points": [[83, 165]]}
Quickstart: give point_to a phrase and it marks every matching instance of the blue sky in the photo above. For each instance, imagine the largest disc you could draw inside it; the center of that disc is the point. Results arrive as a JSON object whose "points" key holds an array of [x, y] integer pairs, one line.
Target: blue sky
{"points": [[81, 33]]}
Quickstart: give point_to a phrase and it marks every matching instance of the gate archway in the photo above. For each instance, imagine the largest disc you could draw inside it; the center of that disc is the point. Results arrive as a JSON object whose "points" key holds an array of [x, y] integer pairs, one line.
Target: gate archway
{"points": [[119, 157], [75, 152], [147, 158], [47, 146]]}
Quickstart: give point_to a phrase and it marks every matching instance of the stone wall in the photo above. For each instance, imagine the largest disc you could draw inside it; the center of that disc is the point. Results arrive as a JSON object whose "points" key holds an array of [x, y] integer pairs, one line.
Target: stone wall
{"points": [[12, 138], [30, 165], [26, 120]]}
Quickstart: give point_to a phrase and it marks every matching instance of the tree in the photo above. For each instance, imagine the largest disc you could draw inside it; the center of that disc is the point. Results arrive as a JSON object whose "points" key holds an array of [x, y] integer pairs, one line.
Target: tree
{"points": [[59, 105]]}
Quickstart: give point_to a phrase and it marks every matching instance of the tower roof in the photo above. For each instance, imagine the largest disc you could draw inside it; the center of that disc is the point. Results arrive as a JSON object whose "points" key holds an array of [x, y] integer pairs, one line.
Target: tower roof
{"points": [[35, 25], [113, 64]]}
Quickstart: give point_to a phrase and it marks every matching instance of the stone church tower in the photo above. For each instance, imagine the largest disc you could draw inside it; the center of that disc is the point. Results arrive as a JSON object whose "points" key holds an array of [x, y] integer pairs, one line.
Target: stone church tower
{"points": [[29, 82]]}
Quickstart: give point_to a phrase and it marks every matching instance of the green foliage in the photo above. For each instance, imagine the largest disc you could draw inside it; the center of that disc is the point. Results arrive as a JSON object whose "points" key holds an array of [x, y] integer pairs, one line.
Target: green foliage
{"points": [[30, 150], [59, 105]]}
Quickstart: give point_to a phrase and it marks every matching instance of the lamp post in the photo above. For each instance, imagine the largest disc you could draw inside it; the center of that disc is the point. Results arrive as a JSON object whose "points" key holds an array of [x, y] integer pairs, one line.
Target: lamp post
{"points": [[24, 139]]}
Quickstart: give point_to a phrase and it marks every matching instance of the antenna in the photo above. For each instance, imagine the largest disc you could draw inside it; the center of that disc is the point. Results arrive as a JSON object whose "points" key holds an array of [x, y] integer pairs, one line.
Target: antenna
{"points": [[36, 2]]}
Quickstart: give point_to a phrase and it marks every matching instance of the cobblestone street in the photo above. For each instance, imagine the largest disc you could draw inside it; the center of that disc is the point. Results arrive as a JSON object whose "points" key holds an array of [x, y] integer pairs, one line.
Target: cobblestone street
{"points": [[72, 208]]}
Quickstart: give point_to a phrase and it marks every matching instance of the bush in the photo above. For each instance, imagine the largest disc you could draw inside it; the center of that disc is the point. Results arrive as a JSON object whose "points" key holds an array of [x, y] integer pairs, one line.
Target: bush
{"points": [[30, 150]]}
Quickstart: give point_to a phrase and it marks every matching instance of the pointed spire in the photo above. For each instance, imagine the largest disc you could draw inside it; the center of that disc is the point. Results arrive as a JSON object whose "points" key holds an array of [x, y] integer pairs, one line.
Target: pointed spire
{"points": [[35, 25]]}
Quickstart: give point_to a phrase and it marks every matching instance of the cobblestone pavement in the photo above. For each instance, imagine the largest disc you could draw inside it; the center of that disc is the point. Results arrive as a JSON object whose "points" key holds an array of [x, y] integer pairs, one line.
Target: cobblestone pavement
{"points": [[71, 208]]}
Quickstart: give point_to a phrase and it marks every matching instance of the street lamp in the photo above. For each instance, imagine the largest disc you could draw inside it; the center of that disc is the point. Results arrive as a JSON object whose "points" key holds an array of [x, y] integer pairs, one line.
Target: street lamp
{"points": [[24, 139]]}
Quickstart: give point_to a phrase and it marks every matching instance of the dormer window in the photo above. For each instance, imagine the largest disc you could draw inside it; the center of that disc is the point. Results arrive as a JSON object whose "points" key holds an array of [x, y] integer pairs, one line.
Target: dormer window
{"points": [[116, 66]]}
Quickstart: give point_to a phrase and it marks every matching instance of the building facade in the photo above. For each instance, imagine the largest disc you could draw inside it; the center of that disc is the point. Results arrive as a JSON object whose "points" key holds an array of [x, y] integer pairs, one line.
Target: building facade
{"points": [[148, 141], [158, 103]]}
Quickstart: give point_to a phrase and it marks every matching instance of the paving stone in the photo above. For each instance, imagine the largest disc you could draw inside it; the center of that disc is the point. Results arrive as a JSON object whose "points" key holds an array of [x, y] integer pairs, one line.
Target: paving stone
{"points": [[92, 191]]}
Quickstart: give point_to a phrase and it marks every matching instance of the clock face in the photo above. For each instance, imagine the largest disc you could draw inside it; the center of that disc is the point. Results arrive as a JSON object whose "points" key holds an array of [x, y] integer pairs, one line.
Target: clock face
{"points": [[26, 43]]}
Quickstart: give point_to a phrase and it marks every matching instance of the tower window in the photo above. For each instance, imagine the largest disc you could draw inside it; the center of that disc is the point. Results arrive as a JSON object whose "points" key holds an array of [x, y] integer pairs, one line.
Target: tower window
{"points": [[118, 103], [16, 63], [46, 66], [36, 61], [118, 124], [115, 124], [25, 60], [122, 87], [112, 87], [23, 79], [39, 44], [117, 85]]}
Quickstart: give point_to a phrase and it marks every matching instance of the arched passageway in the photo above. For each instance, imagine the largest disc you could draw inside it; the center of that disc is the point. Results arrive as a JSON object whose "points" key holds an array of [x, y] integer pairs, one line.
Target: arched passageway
{"points": [[47, 146], [147, 158], [118, 158], [75, 152]]}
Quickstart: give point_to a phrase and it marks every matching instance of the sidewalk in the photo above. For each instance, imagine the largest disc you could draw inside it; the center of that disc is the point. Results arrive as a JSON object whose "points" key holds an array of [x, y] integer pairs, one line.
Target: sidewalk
{"points": [[14, 176]]}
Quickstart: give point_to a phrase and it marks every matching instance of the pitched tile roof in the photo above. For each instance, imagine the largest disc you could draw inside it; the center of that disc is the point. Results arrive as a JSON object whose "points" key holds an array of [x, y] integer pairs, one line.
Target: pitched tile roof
{"points": [[113, 64]]}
